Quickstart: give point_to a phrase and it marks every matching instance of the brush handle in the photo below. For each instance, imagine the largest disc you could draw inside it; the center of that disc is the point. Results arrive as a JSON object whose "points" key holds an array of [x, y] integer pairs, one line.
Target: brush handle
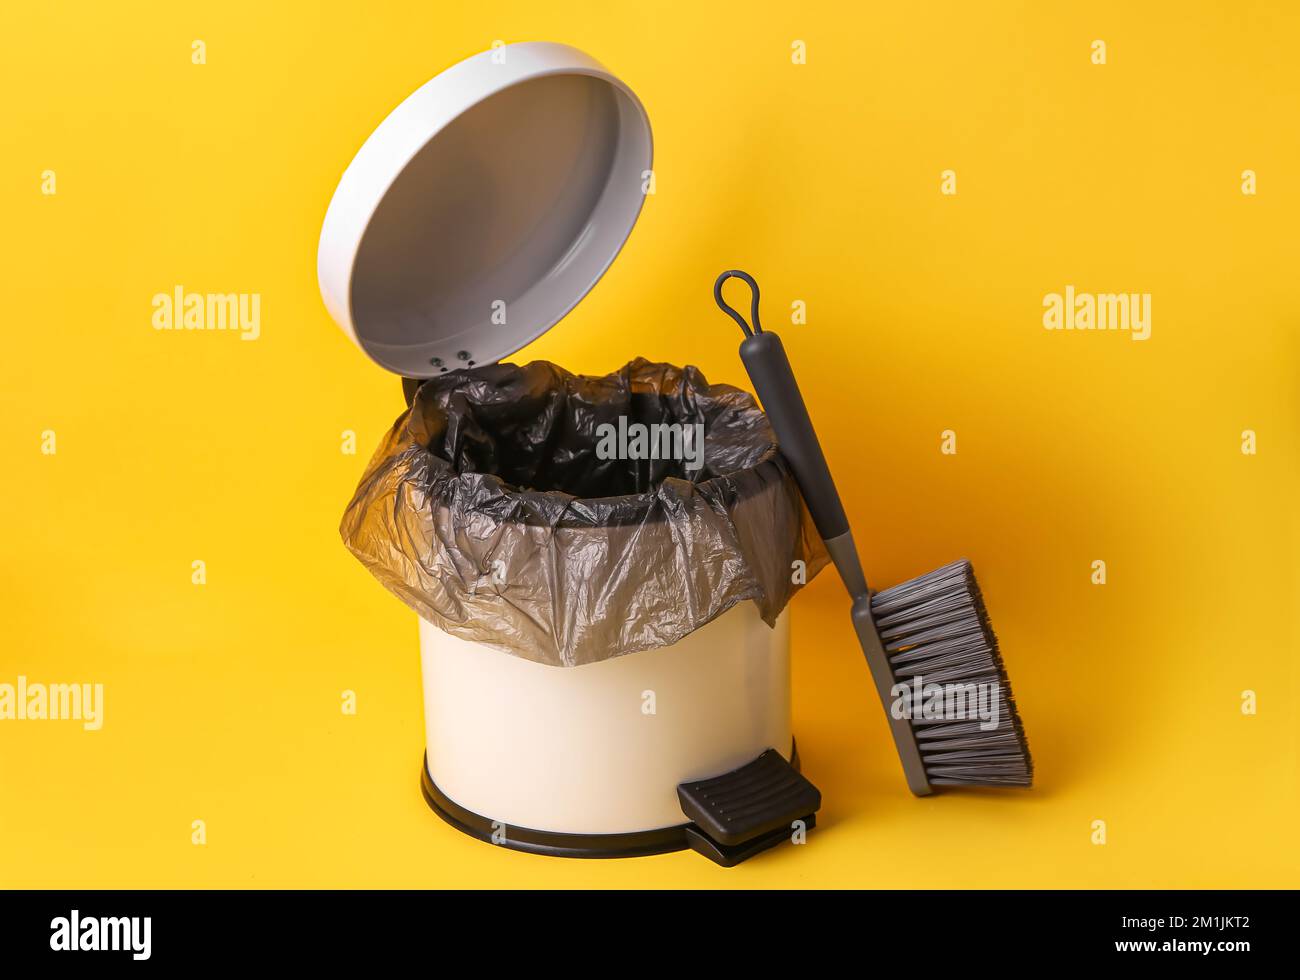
{"points": [[773, 379], [774, 382], [769, 369]]}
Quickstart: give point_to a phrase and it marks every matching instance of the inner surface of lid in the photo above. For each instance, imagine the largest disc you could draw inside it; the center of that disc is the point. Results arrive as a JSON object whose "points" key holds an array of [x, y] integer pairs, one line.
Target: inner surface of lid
{"points": [[500, 224]]}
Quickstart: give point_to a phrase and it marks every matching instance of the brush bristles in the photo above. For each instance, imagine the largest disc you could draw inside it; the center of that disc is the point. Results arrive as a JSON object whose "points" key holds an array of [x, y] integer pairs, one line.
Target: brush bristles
{"points": [[935, 629]]}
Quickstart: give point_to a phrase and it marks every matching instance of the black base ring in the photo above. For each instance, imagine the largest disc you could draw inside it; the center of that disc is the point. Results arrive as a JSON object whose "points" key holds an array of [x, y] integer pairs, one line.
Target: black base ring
{"points": [[637, 844]]}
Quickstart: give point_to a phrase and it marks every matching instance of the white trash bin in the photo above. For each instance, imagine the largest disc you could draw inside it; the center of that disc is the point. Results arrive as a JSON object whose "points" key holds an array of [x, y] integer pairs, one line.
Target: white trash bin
{"points": [[473, 219]]}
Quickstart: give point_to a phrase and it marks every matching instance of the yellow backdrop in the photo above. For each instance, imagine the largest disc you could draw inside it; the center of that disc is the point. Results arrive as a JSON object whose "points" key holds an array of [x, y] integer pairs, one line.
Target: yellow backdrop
{"points": [[131, 453]]}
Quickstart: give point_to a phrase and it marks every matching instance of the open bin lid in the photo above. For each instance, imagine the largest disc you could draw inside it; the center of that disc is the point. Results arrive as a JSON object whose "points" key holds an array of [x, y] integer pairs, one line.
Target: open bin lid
{"points": [[484, 208]]}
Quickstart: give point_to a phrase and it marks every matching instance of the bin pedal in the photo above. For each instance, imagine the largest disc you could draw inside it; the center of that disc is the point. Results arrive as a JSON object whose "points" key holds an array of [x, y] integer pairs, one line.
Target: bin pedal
{"points": [[745, 811]]}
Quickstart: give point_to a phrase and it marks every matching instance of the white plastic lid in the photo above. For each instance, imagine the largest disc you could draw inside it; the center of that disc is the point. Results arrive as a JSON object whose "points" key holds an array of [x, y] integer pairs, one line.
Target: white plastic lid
{"points": [[484, 208]]}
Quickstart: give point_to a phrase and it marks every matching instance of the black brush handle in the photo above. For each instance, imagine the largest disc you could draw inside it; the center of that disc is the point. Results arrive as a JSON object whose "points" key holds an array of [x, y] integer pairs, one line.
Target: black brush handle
{"points": [[774, 383], [773, 379]]}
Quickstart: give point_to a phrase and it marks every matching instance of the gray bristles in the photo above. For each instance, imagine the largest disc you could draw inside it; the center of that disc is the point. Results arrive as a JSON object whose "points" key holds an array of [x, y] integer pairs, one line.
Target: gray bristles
{"points": [[936, 628]]}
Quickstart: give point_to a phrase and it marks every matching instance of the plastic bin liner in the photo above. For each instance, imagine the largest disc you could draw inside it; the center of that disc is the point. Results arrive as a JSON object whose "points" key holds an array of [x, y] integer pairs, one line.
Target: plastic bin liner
{"points": [[490, 510]]}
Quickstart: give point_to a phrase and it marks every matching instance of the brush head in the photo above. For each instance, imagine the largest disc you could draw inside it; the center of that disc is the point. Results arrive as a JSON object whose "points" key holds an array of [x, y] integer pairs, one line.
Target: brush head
{"points": [[937, 636]]}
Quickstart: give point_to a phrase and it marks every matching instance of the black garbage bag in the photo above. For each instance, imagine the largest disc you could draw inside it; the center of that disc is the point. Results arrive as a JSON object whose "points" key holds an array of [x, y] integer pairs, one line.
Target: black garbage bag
{"points": [[569, 519]]}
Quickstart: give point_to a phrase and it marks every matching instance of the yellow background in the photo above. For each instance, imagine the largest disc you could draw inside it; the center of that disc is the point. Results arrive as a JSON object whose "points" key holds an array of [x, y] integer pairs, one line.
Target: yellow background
{"points": [[924, 314]]}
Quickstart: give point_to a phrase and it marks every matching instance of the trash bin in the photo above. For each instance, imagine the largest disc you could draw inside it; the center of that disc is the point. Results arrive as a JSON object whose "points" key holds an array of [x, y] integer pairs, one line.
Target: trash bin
{"points": [[605, 652]]}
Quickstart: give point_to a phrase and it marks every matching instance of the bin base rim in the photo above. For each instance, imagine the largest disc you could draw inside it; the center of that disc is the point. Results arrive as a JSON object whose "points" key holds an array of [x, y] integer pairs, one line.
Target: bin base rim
{"points": [[641, 843]]}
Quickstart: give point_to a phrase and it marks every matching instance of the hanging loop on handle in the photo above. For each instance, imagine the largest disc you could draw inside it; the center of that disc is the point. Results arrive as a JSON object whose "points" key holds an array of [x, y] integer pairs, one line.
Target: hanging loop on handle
{"points": [[753, 306]]}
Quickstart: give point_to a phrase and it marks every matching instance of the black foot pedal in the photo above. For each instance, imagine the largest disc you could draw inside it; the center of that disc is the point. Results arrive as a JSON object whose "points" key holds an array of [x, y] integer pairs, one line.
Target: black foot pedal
{"points": [[747, 810]]}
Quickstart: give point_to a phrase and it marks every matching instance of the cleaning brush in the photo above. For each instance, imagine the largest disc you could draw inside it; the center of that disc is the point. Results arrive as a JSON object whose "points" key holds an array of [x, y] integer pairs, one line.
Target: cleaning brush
{"points": [[928, 641]]}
